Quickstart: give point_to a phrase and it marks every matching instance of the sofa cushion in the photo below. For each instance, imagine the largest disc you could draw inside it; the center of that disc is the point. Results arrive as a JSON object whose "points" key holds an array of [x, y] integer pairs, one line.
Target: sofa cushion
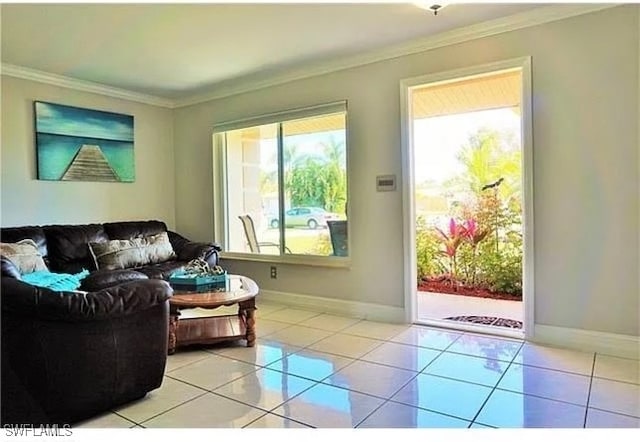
{"points": [[134, 229], [24, 255], [15, 234], [128, 253], [103, 279], [69, 246], [162, 270]]}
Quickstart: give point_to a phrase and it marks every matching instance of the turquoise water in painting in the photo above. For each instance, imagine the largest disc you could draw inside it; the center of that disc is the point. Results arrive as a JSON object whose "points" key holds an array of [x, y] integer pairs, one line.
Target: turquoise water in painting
{"points": [[55, 153]]}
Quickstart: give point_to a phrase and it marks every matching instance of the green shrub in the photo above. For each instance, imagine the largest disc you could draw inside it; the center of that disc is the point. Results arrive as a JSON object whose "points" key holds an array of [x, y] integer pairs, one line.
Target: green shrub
{"points": [[427, 250], [501, 271]]}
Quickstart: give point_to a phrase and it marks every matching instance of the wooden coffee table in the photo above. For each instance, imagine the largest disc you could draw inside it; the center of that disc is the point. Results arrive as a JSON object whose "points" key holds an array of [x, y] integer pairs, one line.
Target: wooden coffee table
{"points": [[206, 330]]}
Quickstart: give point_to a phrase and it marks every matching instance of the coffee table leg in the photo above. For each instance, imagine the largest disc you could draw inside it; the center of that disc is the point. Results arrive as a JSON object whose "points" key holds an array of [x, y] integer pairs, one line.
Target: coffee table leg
{"points": [[251, 326], [173, 328]]}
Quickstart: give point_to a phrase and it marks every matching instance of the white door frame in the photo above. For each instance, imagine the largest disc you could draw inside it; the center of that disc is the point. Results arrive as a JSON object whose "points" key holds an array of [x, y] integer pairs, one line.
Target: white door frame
{"points": [[408, 199]]}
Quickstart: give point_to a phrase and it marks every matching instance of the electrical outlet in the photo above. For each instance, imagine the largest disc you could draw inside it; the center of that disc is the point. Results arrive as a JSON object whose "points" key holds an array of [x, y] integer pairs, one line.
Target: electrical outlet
{"points": [[274, 272]]}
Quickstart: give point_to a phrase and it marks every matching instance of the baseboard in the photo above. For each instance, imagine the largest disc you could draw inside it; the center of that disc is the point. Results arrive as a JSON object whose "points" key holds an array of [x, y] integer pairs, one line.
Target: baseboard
{"points": [[625, 346], [363, 310]]}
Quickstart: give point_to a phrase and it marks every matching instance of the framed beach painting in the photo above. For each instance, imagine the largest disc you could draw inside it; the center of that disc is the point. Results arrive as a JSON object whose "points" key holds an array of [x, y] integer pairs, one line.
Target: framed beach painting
{"points": [[76, 144]]}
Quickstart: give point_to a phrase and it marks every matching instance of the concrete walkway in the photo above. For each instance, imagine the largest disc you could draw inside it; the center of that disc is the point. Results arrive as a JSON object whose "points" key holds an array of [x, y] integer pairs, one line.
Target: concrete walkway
{"points": [[440, 306]]}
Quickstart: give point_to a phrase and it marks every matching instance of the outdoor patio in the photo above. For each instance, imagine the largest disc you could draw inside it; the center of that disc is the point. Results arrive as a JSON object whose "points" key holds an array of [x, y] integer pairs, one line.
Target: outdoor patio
{"points": [[441, 306]]}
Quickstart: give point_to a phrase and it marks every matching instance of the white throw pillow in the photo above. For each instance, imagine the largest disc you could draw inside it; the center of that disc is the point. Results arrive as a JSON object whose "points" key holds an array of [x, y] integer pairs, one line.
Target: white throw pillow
{"points": [[24, 255]]}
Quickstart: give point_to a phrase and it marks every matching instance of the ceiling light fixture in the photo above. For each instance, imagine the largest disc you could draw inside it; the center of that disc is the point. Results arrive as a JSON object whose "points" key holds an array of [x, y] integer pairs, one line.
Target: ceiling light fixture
{"points": [[433, 7]]}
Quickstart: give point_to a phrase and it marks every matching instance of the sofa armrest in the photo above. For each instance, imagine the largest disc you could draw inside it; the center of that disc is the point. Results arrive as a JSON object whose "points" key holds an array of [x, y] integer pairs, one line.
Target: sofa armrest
{"points": [[187, 250], [20, 298]]}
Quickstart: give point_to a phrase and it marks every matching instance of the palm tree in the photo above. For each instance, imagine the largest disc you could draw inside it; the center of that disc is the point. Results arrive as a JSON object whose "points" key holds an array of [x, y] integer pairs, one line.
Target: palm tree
{"points": [[488, 157], [335, 151], [290, 155], [335, 154]]}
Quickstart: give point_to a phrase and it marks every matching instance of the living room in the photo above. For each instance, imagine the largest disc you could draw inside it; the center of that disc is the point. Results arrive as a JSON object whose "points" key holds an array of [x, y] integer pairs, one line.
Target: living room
{"points": [[586, 104]]}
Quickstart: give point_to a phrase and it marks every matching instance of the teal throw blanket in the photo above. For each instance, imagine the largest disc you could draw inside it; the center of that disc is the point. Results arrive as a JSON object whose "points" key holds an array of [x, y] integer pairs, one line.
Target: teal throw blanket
{"points": [[58, 282]]}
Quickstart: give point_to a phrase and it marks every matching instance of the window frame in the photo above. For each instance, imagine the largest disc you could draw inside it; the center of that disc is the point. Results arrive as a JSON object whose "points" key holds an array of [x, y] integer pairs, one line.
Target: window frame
{"points": [[220, 188]]}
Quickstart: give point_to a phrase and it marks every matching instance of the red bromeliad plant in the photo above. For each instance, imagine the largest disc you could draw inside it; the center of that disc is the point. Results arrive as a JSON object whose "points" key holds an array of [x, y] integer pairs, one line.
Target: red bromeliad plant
{"points": [[452, 240], [474, 234]]}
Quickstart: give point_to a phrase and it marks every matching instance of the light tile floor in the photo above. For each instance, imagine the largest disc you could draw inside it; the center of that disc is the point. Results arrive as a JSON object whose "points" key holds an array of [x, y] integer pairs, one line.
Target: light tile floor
{"points": [[312, 369]]}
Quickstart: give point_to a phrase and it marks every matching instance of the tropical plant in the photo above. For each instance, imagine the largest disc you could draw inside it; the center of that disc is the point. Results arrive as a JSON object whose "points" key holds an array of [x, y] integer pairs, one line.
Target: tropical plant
{"points": [[488, 157], [318, 180], [336, 192], [485, 250], [334, 151], [474, 235], [291, 156], [452, 240], [501, 271], [427, 250]]}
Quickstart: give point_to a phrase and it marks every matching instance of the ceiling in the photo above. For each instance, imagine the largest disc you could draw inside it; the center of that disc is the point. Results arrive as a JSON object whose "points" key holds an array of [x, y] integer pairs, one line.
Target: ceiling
{"points": [[174, 51], [480, 92]]}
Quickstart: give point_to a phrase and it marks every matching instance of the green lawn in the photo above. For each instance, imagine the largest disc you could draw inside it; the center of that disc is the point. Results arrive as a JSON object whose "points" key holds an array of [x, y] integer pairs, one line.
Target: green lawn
{"points": [[303, 241]]}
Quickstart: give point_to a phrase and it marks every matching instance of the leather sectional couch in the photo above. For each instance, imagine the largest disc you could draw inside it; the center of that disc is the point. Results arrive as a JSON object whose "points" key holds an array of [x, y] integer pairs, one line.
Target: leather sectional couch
{"points": [[67, 356]]}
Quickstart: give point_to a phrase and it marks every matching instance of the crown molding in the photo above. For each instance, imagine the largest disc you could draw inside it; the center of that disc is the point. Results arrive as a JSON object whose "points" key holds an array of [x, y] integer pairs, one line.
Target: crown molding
{"points": [[82, 85], [485, 29], [489, 28]]}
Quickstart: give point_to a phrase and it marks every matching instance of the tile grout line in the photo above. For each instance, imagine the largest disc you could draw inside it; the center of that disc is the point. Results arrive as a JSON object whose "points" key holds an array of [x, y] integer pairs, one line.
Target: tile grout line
{"points": [[385, 400], [124, 417], [185, 365], [388, 399], [273, 408], [258, 368], [556, 370], [354, 360], [299, 349], [495, 387], [212, 391], [316, 383], [357, 321], [586, 406], [218, 386], [276, 414], [266, 317], [204, 390], [616, 413], [302, 347], [171, 408]]}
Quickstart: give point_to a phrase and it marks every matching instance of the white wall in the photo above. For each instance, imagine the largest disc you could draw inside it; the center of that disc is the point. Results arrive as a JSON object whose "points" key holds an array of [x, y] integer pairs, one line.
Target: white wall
{"points": [[25, 200], [585, 99]]}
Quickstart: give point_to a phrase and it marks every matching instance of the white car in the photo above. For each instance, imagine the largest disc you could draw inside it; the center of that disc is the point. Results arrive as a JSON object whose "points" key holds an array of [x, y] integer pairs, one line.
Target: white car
{"points": [[311, 217]]}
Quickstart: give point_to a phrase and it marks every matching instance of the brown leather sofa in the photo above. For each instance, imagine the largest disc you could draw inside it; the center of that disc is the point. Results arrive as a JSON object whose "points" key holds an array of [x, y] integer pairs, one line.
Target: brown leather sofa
{"points": [[65, 249], [67, 356]]}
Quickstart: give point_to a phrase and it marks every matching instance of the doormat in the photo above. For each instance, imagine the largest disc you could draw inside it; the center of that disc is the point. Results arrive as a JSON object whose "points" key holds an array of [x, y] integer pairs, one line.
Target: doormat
{"points": [[488, 320]]}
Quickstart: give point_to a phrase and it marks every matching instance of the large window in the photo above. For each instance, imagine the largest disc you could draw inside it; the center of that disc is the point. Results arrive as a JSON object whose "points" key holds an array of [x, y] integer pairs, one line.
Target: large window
{"points": [[281, 183]]}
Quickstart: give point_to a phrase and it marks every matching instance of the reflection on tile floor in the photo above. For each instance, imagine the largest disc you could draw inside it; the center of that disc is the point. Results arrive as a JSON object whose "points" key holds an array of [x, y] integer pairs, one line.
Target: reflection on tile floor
{"points": [[311, 369]]}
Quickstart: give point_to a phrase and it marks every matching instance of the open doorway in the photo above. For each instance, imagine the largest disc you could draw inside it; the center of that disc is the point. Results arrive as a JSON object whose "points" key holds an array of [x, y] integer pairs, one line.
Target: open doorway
{"points": [[467, 156]]}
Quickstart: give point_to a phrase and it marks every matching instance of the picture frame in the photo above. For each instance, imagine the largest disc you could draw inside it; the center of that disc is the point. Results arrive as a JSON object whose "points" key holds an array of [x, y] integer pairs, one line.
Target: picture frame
{"points": [[78, 144]]}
